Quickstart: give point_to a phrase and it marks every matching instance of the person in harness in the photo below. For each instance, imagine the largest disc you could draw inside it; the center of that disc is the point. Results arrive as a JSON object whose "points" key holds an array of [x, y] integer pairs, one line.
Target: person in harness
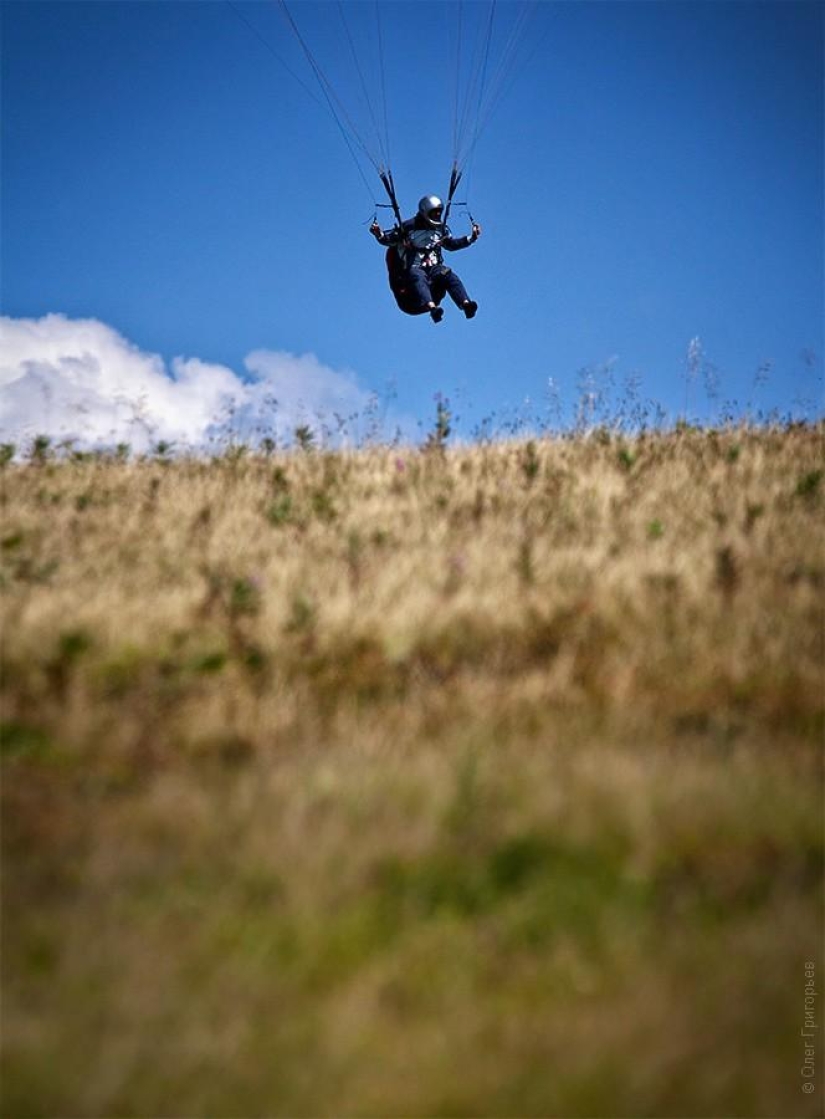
{"points": [[418, 277]]}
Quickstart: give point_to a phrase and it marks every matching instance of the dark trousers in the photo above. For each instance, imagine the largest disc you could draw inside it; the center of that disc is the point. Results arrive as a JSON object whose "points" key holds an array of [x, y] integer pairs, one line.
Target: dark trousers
{"points": [[420, 286]]}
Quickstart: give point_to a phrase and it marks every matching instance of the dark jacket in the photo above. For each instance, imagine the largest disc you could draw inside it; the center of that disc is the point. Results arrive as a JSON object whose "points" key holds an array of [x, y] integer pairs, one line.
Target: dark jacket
{"points": [[418, 245]]}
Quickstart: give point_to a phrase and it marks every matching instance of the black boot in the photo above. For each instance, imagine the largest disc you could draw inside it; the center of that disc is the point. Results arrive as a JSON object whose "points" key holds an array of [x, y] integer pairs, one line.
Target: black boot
{"points": [[470, 308], [437, 314]]}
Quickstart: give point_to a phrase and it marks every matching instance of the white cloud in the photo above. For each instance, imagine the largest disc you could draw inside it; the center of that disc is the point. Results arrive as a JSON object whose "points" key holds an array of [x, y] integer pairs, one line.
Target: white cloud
{"points": [[80, 379]]}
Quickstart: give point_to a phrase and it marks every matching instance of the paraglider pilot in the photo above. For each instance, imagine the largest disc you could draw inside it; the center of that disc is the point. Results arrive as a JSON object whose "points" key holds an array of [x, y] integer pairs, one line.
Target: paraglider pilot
{"points": [[419, 279]]}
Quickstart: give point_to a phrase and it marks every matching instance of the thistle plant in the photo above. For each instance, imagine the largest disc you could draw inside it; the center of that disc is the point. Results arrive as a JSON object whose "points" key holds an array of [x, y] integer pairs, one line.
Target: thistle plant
{"points": [[693, 365], [437, 439]]}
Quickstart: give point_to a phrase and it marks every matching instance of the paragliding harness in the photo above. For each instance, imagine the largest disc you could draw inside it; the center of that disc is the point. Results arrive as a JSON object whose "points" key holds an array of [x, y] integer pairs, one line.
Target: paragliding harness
{"points": [[396, 267], [396, 255]]}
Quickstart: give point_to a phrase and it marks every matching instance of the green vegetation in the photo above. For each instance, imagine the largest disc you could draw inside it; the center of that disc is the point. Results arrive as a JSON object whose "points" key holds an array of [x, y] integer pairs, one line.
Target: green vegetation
{"points": [[452, 781]]}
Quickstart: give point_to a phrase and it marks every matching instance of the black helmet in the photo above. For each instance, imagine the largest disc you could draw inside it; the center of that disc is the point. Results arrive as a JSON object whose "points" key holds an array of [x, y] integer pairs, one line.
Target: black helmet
{"points": [[431, 209]]}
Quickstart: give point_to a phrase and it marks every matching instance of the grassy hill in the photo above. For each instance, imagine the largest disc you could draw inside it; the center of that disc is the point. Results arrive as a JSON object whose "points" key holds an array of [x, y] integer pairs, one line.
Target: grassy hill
{"points": [[468, 781]]}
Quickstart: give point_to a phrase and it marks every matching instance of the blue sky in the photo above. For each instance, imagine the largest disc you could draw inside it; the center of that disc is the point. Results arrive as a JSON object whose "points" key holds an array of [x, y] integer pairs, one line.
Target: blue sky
{"points": [[654, 174]]}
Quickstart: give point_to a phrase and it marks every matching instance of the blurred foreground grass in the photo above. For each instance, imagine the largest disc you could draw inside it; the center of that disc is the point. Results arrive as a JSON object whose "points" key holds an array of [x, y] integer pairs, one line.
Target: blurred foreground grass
{"points": [[397, 782]]}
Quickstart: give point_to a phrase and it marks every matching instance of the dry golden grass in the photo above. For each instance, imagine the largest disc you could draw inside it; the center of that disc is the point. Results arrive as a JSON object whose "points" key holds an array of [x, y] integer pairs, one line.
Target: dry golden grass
{"points": [[397, 782]]}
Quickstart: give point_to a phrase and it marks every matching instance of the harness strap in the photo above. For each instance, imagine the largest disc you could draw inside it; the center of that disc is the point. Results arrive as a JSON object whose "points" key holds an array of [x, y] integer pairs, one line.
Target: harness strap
{"points": [[389, 187], [455, 179]]}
